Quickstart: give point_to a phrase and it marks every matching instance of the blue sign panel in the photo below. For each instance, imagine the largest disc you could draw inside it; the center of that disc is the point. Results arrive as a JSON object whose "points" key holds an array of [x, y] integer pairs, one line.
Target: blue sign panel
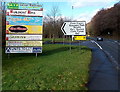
{"points": [[21, 20], [23, 50], [37, 49]]}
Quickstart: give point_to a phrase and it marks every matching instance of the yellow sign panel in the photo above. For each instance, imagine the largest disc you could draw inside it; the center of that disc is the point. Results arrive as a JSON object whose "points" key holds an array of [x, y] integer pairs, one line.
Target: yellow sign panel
{"points": [[23, 43], [80, 37], [23, 29]]}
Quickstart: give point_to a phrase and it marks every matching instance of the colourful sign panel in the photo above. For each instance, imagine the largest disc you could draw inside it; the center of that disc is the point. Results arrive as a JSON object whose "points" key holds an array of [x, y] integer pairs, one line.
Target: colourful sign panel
{"points": [[23, 37], [24, 6], [21, 20], [23, 50], [80, 37], [24, 13], [23, 43], [24, 25], [12, 6], [25, 29]]}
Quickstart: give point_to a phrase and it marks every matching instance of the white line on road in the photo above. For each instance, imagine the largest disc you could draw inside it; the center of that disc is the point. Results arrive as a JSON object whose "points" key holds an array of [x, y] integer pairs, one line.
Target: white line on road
{"points": [[108, 54], [113, 60], [97, 44], [117, 42], [92, 41]]}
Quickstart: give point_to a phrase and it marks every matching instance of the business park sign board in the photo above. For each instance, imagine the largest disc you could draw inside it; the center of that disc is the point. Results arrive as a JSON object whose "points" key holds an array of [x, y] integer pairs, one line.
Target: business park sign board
{"points": [[24, 28]]}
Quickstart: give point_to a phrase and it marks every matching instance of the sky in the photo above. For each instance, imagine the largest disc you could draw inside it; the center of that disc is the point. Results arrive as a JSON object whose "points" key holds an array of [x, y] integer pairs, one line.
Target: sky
{"points": [[83, 10]]}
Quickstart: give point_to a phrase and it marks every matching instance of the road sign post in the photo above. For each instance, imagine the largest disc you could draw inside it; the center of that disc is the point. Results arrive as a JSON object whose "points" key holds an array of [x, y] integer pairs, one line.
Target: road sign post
{"points": [[63, 39], [36, 55], [70, 43], [72, 37], [8, 55]]}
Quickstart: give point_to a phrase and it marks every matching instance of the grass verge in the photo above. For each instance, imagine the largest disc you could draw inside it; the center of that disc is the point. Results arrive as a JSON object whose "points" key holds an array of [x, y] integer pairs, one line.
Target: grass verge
{"points": [[54, 69], [61, 40]]}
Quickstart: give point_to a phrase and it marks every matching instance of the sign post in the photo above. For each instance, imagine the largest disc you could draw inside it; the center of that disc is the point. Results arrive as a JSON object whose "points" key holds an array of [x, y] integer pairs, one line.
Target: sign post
{"points": [[63, 39], [36, 55], [70, 43]]}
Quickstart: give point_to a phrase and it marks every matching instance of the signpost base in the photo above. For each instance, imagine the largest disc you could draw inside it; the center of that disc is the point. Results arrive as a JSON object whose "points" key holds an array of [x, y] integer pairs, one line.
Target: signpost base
{"points": [[8, 55], [72, 37], [70, 44], [63, 39], [80, 47], [36, 55]]}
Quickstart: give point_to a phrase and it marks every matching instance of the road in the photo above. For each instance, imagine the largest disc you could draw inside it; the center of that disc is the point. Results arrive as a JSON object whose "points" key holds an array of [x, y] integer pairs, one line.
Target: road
{"points": [[110, 47], [105, 64], [104, 69]]}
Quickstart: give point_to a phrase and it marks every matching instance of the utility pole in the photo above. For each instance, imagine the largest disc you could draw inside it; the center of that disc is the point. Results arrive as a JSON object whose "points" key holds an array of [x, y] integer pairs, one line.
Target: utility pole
{"points": [[72, 20]]}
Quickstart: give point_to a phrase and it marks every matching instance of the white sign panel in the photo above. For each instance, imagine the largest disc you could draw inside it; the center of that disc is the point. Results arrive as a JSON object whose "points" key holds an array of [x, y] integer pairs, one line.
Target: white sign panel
{"points": [[23, 43], [24, 13], [74, 28], [23, 37], [23, 50]]}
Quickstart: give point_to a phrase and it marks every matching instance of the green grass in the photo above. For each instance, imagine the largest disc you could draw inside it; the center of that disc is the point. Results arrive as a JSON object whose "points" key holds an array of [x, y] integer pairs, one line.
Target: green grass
{"points": [[54, 69], [57, 39], [62, 40]]}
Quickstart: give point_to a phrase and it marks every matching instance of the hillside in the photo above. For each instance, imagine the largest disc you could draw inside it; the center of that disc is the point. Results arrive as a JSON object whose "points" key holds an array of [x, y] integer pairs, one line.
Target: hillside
{"points": [[106, 23]]}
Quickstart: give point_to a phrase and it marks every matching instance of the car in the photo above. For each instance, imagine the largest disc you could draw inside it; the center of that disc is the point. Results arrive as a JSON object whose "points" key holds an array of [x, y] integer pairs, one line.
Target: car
{"points": [[99, 39]]}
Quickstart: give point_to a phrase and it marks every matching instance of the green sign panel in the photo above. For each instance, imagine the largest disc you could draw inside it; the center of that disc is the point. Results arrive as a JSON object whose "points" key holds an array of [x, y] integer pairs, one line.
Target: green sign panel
{"points": [[12, 5], [24, 6]]}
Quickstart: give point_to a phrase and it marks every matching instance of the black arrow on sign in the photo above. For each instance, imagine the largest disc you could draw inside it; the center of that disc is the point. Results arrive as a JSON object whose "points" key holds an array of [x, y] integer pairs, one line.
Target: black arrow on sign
{"points": [[63, 28]]}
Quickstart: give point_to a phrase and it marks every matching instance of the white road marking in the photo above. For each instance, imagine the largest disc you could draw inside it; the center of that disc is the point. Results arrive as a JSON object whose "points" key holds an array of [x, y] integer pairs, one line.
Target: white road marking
{"points": [[110, 56], [92, 41], [97, 44], [113, 42], [113, 60], [117, 42]]}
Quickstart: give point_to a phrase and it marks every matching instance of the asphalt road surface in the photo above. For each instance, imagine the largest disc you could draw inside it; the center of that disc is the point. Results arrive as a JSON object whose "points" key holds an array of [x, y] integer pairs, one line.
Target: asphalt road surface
{"points": [[104, 71], [105, 64]]}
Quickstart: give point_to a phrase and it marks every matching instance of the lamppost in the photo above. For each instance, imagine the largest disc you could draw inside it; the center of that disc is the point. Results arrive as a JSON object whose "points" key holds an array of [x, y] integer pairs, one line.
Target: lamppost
{"points": [[72, 20]]}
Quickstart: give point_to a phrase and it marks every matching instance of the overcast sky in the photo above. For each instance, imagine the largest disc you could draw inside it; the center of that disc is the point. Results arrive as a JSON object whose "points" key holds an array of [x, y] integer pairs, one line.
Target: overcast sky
{"points": [[83, 10]]}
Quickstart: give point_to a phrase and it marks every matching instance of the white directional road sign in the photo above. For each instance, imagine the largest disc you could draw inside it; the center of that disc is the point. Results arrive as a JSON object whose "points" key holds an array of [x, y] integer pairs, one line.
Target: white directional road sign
{"points": [[74, 28]]}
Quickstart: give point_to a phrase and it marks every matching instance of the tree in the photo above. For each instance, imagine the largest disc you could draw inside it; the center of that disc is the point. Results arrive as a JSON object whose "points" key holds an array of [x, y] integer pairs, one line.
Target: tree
{"points": [[53, 17], [107, 22], [53, 22]]}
